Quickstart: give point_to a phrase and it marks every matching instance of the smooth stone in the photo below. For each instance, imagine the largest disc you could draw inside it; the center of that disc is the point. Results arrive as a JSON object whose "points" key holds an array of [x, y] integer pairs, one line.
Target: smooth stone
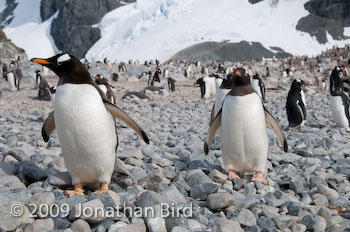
{"points": [[331, 194], [80, 225], [41, 225], [61, 179], [217, 176], [224, 225], [42, 198], [246, 218], [133, 153], [196, 177], [174, 194], [92, 207], [18, 154], [8, 222], [201, 191], [217, 201], [137, 227]]}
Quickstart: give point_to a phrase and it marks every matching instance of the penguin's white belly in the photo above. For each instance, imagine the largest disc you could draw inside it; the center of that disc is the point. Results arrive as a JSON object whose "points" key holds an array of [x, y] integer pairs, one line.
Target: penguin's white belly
{"points": [[256, 87], [244, 140], [53, 98], [210, 89], [86, 132], [338, 111], [11, 81], [219, 99]]}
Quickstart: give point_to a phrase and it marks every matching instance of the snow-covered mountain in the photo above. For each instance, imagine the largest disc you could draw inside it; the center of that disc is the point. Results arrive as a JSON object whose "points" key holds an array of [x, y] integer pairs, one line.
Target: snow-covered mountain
{"points": [[157, 29]]}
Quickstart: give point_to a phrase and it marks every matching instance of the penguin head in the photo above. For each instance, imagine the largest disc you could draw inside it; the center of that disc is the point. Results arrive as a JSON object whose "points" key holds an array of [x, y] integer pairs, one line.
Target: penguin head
{"points": [[66, 67], [298, 84], [336, 81], [240, 77]]}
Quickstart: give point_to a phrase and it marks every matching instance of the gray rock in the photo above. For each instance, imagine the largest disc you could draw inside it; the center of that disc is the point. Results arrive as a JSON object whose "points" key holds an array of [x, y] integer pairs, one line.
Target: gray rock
{"points": [[151, 198], [334, 220], [316, 180], [297, 186], [41, 225], [217, 201], [18, 154], [319, 200], [7, 168], [331, 194], [106, 199], [196, 177], [61, 179], [139, 173], [224, 225], [217, 176], [61, 223], [246, 218], [246, 203], [134, 153], [156, 224], [179, 229], [201, 191], [29, 172], [173, 193], [320, 224], [42, 198], [80, 225], [137, 227], [94, 211], [8, 222], [116, 226], [283, 222], [298, 227], [265, 223]]}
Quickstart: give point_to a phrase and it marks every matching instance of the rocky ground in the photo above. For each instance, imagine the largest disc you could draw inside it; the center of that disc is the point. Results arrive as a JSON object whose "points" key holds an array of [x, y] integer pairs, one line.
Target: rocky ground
{"points": [[308, 187]]}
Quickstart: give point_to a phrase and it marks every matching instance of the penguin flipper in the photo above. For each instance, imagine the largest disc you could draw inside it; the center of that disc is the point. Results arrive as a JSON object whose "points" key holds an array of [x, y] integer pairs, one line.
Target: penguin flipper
{"points": [[271, 121], [48, 127], [214, 125], [119, 113]]}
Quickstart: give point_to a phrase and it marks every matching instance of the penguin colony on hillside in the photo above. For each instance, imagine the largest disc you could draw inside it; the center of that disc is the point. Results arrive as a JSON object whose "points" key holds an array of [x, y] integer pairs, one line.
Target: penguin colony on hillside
{"points": [[85, 111]]}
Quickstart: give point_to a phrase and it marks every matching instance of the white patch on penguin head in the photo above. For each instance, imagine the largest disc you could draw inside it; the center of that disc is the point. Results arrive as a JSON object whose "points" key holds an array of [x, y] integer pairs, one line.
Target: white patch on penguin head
{"points": [[64, 58], [298, 80]]}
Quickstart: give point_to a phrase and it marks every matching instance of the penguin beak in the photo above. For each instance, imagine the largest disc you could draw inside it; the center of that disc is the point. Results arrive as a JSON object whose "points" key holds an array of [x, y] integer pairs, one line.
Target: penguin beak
{"points": [[40, 61]]}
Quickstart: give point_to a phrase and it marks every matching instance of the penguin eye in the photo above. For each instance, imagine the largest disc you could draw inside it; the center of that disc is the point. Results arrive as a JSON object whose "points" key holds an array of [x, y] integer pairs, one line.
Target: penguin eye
{"points": [[63, 59]]}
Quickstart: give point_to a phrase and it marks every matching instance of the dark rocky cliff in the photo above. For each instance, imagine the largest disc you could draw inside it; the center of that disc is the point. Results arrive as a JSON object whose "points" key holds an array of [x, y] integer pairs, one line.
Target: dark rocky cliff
{"points": [[72, 30], [6, 15], [326, 16], [50, 7]]}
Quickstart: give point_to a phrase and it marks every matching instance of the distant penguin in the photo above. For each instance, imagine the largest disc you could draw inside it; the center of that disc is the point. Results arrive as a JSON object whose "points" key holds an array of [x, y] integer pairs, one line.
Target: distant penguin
{"points": [[19, 77], [52, 93], [296, 104], [37, 78], [105, 87], [243, 120], [11, 79], [44, 90], [4, 70], [85, 125], [201, 84], [221, 93], [210, 87], [339, 102], [171, 84], [258, 86]]}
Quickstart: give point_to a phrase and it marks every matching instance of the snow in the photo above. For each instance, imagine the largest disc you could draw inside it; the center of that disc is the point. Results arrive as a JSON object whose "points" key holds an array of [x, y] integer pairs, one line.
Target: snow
{"points": [[347, 31], [157, 29], [160, 28], [28, 32]]}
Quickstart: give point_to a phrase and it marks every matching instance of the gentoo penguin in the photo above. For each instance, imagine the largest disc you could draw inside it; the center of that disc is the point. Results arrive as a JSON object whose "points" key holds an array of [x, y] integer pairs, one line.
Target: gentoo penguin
{"points": [[210, 87], [258, 86], [105, 87], [201, 84], [243, 119], [52, 91], [221, 93], [44, 90], [296, 104], [218, 81], [37, 77], [339, 102], [11, 79], [171, 84], [84, 120]]}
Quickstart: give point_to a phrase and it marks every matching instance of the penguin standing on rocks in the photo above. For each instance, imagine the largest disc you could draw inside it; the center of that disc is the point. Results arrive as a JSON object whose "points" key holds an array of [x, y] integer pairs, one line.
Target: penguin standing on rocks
{"points": [[339, 102], [37, 77], [258, 86], [44, 90], [296, 104], [11, 79], [52, 91], [243, 119], [84, 120]]}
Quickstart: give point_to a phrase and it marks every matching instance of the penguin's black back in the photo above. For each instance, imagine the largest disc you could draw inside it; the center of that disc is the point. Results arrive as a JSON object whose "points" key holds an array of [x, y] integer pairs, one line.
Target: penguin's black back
{"points": [[295, 107]]}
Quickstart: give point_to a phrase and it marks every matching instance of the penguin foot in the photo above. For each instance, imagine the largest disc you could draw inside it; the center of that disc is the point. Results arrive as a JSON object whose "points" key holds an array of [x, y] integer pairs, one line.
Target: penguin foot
{"points": [[258, 177], [232, 175], [103, 189], [78, 190]]}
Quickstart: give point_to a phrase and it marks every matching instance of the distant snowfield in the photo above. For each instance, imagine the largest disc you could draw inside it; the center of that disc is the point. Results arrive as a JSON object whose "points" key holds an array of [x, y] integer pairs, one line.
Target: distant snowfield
{"points": [[157, 29], [28, 32]]}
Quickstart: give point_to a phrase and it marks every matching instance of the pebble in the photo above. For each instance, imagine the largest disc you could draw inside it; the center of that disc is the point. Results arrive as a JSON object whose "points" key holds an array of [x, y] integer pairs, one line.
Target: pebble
{"points": [[217, 201]]}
